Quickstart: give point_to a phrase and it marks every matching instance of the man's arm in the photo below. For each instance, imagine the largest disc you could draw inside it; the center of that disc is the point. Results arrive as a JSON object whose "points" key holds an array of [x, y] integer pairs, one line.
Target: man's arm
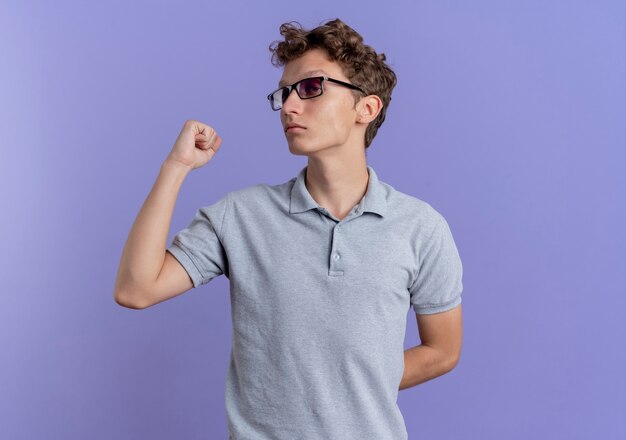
{"points": [[147, 274], [441, 335], [144, 254]]}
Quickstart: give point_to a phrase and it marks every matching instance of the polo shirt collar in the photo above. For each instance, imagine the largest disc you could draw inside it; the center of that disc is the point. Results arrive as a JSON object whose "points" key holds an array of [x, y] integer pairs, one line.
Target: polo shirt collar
{"points": [[373, 201]]}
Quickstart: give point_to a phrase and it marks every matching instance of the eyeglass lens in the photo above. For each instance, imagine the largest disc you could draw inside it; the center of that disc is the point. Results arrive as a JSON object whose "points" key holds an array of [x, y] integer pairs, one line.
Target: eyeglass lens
{"points": [[307, 88]]}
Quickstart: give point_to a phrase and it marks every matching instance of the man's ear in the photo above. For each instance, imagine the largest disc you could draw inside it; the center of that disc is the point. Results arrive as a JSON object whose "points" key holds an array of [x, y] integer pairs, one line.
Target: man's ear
{"points": [[368, 108]]}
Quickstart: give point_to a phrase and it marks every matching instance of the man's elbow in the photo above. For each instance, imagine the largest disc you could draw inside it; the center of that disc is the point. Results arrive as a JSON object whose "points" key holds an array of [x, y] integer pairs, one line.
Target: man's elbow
{"points": [[451, 361], [122, 300]]}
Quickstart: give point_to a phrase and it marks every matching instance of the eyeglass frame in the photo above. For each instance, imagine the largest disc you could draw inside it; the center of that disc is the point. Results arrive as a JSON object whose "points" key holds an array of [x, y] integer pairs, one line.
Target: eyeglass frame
{"points": [[322, 78]]}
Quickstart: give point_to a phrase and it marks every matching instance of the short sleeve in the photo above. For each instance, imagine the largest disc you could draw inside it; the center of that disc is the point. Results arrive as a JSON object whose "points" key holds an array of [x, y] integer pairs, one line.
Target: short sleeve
{"points": [[199, 247], [438, 284]]}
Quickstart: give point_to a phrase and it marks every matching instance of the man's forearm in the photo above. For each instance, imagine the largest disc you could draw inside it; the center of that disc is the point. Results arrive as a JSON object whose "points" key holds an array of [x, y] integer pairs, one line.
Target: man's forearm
{"points": [[422, 363], [144, 252]]}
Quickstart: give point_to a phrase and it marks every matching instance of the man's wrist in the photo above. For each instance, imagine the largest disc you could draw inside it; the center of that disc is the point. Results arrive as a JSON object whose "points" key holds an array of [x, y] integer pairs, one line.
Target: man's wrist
{"points": [[175, 166]]}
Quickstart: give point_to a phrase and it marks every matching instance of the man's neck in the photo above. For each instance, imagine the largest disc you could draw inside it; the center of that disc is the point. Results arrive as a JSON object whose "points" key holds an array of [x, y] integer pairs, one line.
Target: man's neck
{"points": [[337, 183]]}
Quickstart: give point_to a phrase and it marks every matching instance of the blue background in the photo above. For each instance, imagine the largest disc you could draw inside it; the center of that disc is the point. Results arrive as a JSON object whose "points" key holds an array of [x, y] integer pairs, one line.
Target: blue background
{"points": [[508, 118]]}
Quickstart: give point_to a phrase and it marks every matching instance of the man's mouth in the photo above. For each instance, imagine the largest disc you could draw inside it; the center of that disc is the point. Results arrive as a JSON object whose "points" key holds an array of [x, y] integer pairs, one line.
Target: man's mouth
{"points": [[294, 127]]}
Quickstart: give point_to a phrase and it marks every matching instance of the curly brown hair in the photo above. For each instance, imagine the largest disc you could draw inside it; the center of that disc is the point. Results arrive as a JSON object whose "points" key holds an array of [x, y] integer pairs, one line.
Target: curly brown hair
{"points": [[360, 62]]}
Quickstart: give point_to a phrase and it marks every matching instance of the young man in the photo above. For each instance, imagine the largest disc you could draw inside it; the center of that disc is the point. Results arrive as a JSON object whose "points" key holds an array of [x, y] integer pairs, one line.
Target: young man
{"points": [[322, 268]]}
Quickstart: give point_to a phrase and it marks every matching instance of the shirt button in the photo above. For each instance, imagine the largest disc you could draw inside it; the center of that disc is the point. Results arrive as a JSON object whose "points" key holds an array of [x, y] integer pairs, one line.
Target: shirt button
{"points": [[336, 256]]}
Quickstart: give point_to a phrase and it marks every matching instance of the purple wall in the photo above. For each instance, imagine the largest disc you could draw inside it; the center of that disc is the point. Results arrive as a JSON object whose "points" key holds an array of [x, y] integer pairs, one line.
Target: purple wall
{"points": [[510, 119]]}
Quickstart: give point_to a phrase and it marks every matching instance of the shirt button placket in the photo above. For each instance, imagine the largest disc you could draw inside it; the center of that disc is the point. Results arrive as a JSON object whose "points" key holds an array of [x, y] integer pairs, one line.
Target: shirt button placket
{"points": [[336, 264]]}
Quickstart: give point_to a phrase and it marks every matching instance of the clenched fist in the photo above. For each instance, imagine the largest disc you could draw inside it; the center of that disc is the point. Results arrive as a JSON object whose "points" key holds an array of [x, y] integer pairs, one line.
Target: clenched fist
{"points": [[196, 145]]}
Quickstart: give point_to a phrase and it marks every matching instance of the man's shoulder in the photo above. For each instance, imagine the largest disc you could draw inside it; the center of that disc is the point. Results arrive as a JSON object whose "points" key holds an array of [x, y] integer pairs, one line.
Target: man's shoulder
{"points": [[406, 205], [262, 194]]}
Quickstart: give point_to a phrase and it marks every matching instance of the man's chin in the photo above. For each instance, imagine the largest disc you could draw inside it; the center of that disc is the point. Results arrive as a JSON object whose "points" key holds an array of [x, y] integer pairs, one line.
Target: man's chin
{"points": [[299, 150]]}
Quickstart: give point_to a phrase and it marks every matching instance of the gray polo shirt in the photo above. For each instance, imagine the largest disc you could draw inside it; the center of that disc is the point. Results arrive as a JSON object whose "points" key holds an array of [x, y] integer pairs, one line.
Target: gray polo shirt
{"points": [[319, 306]]}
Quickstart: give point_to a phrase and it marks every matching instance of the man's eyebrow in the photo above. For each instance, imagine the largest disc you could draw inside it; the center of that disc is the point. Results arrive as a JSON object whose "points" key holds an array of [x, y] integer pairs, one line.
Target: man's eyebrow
{"points": [[305, 75]]}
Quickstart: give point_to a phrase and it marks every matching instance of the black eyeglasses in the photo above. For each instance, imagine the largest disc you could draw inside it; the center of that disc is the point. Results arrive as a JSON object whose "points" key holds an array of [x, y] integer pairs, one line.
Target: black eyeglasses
{"points": [[306, 88]]}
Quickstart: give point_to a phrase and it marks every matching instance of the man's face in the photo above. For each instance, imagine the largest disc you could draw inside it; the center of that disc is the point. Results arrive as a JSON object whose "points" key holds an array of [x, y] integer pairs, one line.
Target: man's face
{"points": [[329, 119]]}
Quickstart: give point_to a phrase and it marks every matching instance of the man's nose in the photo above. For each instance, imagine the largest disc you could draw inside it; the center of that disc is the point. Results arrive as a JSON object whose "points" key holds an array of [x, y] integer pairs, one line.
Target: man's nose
{"points": [[293, 103]]}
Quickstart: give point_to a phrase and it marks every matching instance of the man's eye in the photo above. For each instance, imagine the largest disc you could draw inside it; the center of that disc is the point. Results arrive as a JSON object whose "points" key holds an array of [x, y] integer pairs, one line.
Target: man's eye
{"points": [[312, 89]]}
